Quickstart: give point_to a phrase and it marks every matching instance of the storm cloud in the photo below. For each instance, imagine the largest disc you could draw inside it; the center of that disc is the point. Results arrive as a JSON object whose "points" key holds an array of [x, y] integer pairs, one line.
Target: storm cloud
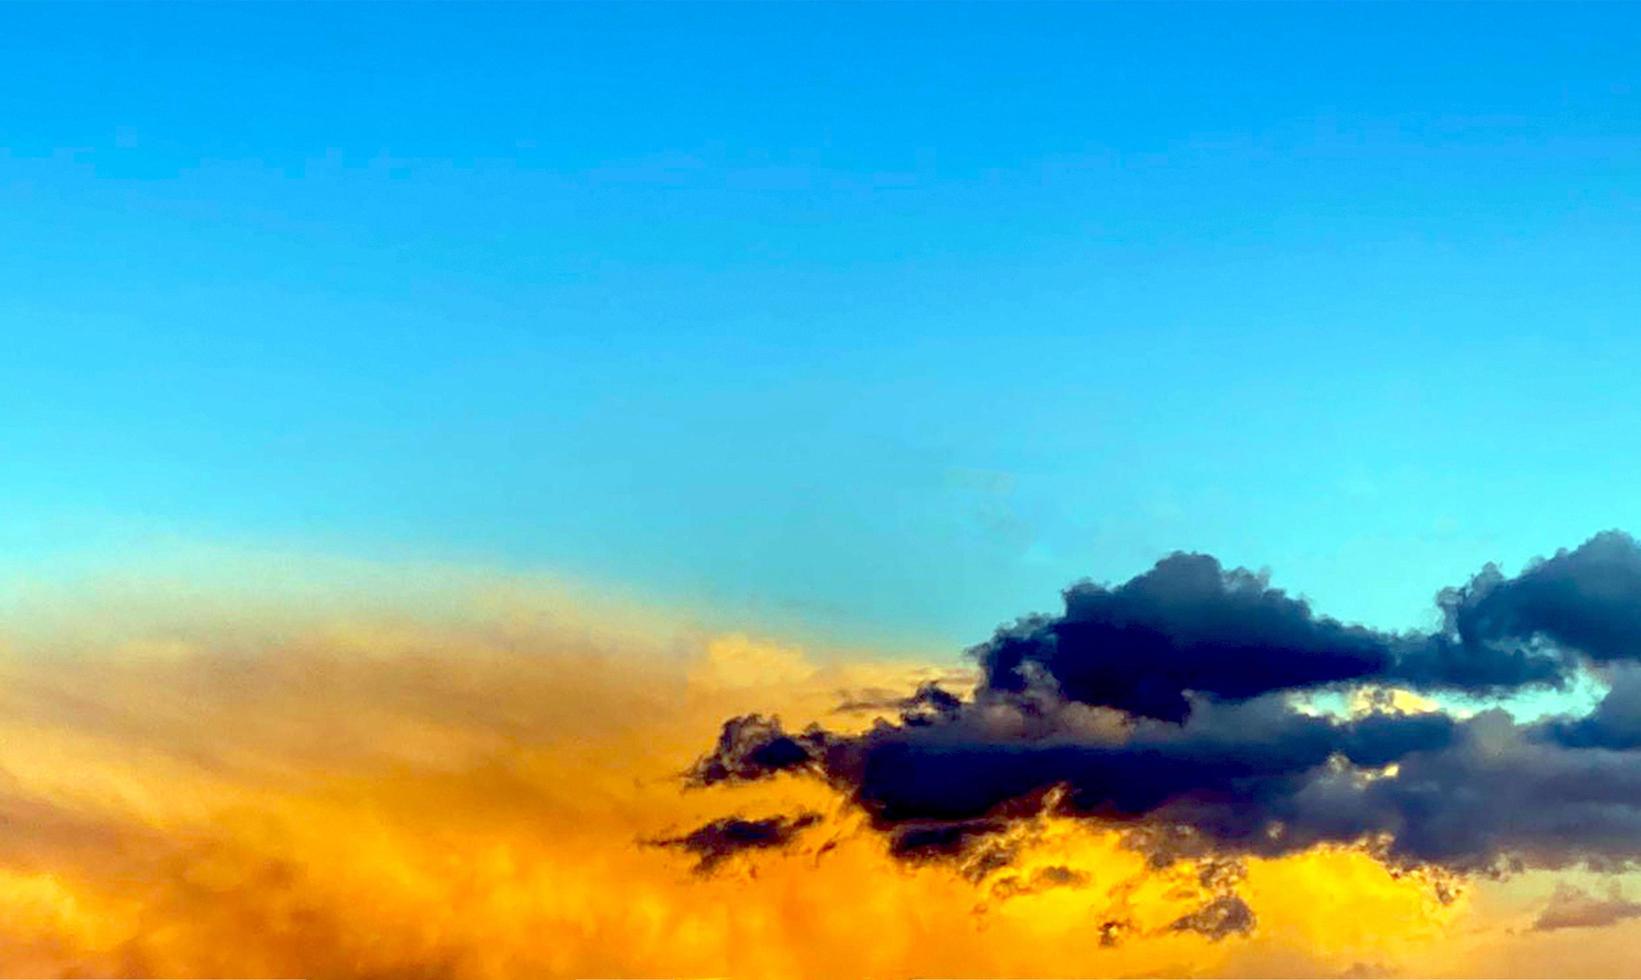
{"points": [[1171, 705]]}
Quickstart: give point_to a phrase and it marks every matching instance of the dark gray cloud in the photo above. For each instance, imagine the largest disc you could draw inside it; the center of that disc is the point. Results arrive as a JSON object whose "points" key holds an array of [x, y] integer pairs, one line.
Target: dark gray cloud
{"points": [[941, 838], [716, 842], [1190, 626], [751, 747], [928, 704], [1616, 721], [1187, 624], [1163, 706], [1587, 601]]}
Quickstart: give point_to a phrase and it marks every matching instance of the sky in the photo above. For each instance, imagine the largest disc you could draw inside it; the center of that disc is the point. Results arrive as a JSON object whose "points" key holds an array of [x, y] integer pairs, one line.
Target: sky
{"points": [[878, 325], [500, 490]]}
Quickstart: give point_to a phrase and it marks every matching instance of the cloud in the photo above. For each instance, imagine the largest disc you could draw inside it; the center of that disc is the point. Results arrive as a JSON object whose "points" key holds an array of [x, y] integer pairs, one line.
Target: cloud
{"points": [[395, 794], [1585, 601], [1185, 624], [454, 791], [1163, 705], [1225, 916], [1616, 721], [1573, 908], [752, 746], [1190, 626], [717, 841], [368, 799], [1039, 881]]}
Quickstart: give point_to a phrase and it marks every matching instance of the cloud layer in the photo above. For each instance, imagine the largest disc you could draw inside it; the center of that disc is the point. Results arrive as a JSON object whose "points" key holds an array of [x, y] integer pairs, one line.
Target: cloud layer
{"points": [[472, 787]]}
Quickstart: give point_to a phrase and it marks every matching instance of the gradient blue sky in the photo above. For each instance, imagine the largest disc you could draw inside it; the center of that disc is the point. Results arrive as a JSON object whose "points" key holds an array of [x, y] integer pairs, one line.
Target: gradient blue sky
{"points": [[879, 322]]}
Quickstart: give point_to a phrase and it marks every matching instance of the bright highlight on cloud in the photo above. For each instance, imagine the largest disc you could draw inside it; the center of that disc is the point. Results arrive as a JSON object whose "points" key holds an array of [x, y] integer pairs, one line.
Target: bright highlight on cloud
{"points": [[475, 789]]}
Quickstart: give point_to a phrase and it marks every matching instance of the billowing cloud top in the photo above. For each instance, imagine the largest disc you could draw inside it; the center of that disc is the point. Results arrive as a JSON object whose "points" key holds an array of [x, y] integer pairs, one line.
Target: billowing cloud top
{"points": [[1167, 705]]}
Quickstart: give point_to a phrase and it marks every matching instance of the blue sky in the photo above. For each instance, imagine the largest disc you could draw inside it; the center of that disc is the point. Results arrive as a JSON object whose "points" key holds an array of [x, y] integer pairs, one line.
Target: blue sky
{"points": [[879, 322]]}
